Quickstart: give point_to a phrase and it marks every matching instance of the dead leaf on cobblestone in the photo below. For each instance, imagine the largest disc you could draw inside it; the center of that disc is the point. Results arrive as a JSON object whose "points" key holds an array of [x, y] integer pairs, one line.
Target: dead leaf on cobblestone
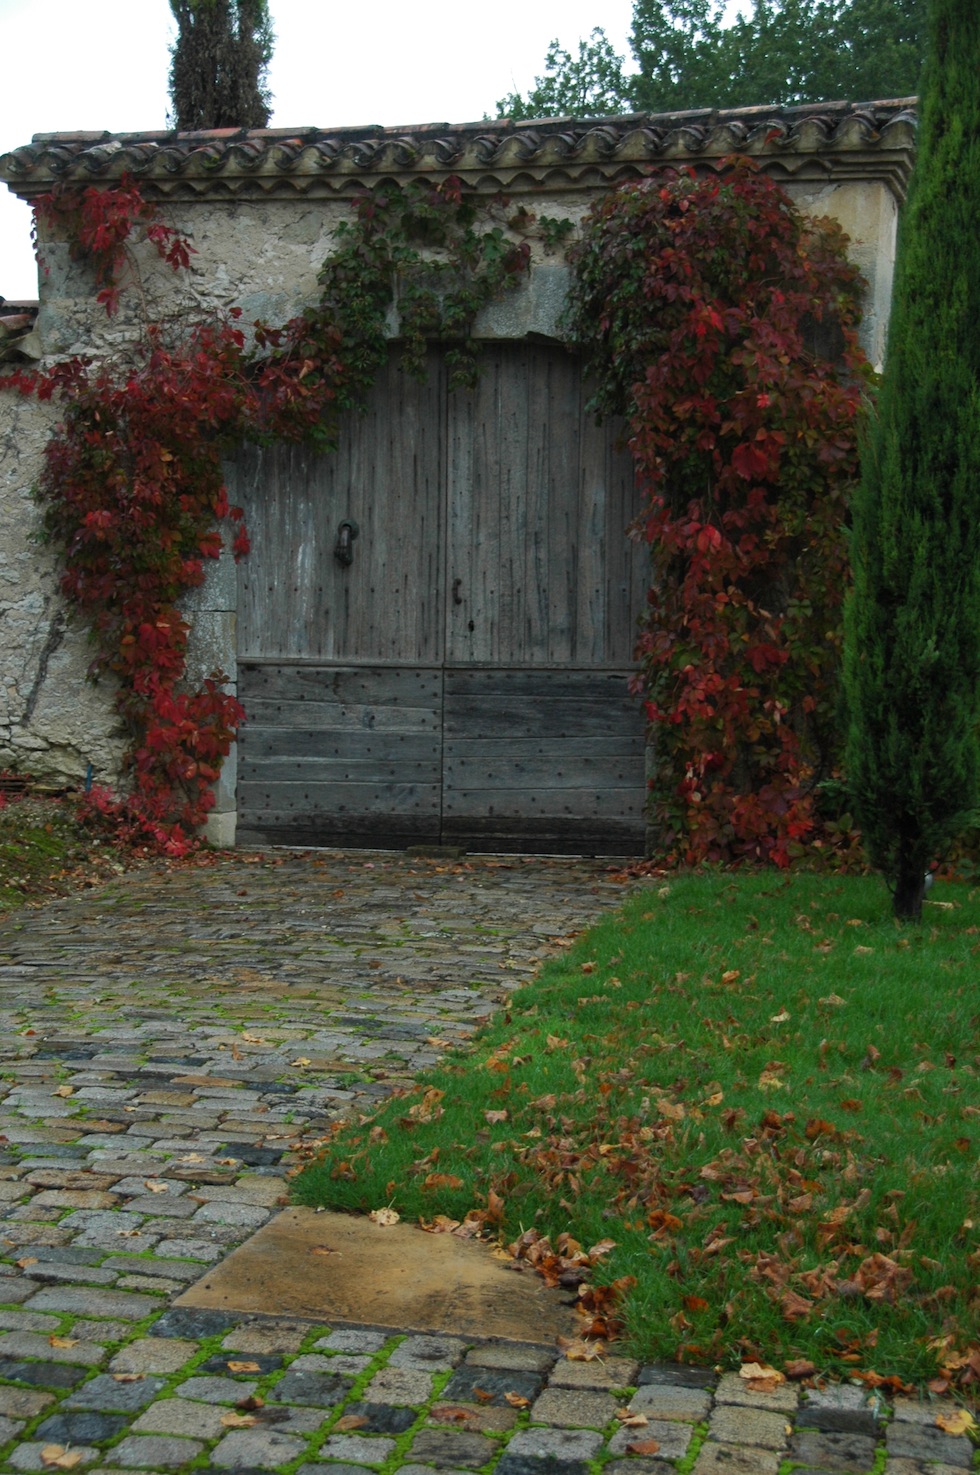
{"points": [[56, 1456], [447, 1413], [251, 1401], [192, 1157], [643, 1447], [62, 1341], [254, 1040], [959, 1421], [517, 1400], [227, 1162], [759, 1377], [27, 1260], [437, 1042], [129, 1233], [231, 1420], [128, 1377], [301, 1060], [577, 1350], [64, 1091], [630, 1420], [155, 1186], [482, 1396], [323, 1250], [349, 1422], [243, 1367]]}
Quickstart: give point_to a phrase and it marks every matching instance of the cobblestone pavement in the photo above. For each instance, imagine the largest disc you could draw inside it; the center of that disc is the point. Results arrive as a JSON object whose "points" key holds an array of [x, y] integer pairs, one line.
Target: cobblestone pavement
{"points": [[168, 1042]]}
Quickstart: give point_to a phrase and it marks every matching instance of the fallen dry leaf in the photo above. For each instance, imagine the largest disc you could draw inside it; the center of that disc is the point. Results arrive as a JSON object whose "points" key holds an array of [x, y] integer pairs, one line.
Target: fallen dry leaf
{"points": [[128, 1377], [62, 1341], [349, 1422], [447, 1413], [779, 1018], [759, 1377], [243, 1367], [517, 1400], [323, 1250], [442, 1180], [800, 1367], [301, 1060], [578, 1350], [384, 1217], [630, 1420], [642, 1447], [155, 1186], [834, 999], [959, 1421], [27, 1260], [56, 1456], [64, 1091], [231, 1420], [482, 1396]]}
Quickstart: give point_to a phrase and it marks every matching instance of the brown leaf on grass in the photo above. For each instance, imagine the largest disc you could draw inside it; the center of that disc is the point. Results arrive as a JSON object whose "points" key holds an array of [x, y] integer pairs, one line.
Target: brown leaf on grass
{"points": [[517, 1400], [442, 1180], [441, 1224], [696, 1303], [428, 1109], [349, 1422], [794, 1307], [243, 1367], [642, 1447]]}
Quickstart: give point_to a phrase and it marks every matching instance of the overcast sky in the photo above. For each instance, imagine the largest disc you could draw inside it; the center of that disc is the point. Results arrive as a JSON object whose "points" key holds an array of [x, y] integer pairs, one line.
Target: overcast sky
{"points": [[102, 64]]}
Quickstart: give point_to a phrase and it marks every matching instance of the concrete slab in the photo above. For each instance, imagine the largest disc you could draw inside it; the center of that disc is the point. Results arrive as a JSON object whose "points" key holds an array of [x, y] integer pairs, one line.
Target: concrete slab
{"points": [[344, 1268]]}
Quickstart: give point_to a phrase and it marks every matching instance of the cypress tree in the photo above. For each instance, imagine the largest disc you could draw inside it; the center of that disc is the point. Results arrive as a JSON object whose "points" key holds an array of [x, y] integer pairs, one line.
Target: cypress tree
{"points": [[912, 646], [219, 63]]}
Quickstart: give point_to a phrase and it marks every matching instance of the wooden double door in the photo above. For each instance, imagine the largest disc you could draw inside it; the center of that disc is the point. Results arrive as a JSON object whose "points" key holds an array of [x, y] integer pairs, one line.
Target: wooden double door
{"points": [[436, 622]]}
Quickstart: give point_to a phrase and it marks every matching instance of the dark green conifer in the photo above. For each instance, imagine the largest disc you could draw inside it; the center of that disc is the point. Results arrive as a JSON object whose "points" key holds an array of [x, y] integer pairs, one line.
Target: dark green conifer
{"points": [[219, 62], [912, 657]]}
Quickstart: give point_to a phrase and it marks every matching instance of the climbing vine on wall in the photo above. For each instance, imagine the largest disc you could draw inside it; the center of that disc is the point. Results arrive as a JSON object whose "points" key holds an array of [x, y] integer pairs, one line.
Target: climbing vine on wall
{"points": [[132, 487], [723, 324]]}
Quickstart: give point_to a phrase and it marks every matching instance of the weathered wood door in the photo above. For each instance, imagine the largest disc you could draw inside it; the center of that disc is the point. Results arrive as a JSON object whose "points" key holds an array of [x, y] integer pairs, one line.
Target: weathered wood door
{"points": [[463, 679]]}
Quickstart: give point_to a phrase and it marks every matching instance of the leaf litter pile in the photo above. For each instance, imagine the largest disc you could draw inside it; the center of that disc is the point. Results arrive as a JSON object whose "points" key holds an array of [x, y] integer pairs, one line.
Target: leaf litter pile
{"points": [[739, 1121]]}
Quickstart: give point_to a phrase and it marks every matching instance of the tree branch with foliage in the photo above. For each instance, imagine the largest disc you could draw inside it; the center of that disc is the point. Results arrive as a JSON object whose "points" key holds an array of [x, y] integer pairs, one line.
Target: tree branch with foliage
{"points": [[219, 64]]}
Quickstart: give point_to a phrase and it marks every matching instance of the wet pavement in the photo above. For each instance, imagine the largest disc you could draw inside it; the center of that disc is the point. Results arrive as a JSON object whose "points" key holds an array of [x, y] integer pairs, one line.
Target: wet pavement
{"points": [[171, 1043]]}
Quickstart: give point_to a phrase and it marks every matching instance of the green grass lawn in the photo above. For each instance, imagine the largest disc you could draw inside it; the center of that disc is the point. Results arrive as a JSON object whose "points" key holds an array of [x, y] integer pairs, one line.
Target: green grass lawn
{"points": [[764, 1091], [45, 851]]}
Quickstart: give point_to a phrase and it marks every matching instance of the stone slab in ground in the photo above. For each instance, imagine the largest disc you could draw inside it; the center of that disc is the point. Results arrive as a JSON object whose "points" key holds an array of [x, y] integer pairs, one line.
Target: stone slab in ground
{"points": [[396, 1276]]}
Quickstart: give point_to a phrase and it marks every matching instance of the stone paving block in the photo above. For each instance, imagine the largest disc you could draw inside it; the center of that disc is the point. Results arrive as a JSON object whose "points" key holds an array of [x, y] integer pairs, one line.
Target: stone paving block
{"points": [[41, 1374], [74, 1198], [512, 1358], [729, 1459], [678, 1373], [671, 1401], [258, 1191], [395, 1385], [672, 1437], [437, 1353], [322, 1389], [14, 1292], [732, 1389], [921, 1467], [28, 1456], [477, 1418], [101, 1331], [607, 1372], [211, 1389], [160, 1207], [33, 1344], [87, 1426], [638, 1466], [153, 1266], [549, 1452], [919, 1442], [353, 1341], [244, 1216], [917, 1410], [53, 1273], [574, 1408], [274, 1336], [29, 1321], [842, 1454], [94, 1302], [9, 1428], [471, 1384], [104, 1392], [358, 1449], [733, 1424], [841, 1408], [251, 1364], [149, 1451], [153, 1355], [261, 1448], [382, 1418], [181, 1416], [23, 1403], [188, 1321], [454, 1448]]}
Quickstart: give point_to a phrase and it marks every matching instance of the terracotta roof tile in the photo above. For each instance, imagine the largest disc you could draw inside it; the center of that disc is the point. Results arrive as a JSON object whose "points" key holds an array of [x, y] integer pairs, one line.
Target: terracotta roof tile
{"points": [[827, 141]]}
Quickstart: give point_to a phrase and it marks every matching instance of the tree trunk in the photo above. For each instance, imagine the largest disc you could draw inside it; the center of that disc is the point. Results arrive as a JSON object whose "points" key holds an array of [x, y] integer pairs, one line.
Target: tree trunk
{"points": [[909, 890]]}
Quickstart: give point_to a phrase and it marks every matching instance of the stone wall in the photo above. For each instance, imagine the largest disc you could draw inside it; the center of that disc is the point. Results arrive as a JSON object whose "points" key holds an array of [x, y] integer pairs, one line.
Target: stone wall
{"points": [[260, 248]]}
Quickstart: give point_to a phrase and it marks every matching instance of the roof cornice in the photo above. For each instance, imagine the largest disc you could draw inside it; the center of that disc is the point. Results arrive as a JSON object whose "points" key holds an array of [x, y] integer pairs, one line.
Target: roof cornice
{"points": [[828, 142]]}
